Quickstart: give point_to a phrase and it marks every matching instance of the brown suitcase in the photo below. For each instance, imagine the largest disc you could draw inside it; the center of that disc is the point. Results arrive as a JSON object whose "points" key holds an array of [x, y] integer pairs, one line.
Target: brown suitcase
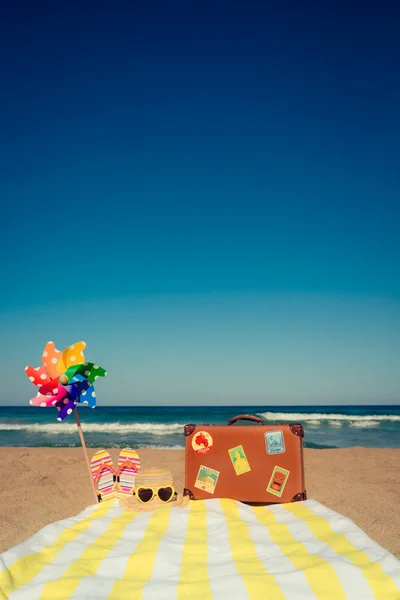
{"points": [[250, 463]]}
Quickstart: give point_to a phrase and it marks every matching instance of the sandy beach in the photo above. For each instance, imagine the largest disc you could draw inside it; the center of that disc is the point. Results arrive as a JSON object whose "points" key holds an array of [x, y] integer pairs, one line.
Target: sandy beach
{"points": [[42, 485]]}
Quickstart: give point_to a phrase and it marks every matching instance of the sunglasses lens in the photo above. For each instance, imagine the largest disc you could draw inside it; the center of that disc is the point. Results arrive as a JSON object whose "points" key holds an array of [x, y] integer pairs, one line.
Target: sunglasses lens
{"points": [[144, 494], [165, 494]]}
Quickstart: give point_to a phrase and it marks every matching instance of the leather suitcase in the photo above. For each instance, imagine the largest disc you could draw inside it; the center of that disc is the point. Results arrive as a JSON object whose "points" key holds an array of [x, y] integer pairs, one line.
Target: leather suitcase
{"points": [[250, 463]]}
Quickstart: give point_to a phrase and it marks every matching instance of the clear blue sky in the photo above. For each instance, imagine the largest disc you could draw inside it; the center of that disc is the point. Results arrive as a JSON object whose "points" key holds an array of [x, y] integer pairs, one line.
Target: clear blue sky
{"points": [[207, 194]]}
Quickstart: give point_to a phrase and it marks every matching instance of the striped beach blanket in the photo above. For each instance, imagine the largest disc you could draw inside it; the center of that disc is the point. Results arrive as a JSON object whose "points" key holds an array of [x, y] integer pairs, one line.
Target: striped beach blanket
{"points": [[209, 549]]}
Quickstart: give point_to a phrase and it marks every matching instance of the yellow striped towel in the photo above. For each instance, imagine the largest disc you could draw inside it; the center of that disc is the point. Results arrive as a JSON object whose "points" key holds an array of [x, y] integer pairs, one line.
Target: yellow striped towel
{"points": [[218, 549]]}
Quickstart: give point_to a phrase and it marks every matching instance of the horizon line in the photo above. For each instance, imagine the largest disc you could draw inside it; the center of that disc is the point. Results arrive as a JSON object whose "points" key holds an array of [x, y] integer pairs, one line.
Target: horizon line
{"points": [[209, 405]]}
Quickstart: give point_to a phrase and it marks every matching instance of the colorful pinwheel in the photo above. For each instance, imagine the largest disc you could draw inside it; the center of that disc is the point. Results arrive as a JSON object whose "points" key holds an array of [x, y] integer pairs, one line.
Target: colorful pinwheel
{"points": [[64, 379]]}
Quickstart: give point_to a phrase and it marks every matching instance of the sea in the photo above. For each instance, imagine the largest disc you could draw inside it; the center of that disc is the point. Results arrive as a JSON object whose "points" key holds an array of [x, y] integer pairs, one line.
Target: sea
{"points": [[162, 427]]}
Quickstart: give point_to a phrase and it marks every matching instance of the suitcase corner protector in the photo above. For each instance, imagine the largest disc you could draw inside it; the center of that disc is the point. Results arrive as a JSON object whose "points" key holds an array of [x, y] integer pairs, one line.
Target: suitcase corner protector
{"points": [[300, 497], [188, 429], [189, 493], [297, 429]]}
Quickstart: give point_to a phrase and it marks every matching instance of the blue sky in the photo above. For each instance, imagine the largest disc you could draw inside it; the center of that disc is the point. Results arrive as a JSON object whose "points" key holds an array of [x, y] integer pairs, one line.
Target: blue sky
{"points": [[207, 195]]}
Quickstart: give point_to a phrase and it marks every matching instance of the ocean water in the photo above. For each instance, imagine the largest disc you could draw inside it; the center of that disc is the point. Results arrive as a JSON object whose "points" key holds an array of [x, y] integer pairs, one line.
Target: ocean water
{"points": [[162, 427]]}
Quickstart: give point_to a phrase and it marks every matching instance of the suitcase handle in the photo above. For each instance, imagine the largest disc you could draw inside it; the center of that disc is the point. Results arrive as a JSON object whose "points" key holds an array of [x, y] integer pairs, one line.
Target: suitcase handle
{"points": [[245, 418]]}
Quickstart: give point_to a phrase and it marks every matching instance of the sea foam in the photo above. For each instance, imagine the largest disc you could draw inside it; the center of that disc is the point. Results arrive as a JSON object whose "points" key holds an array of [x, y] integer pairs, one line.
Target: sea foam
{"points": [[282, 416], [365, 424], [158, 429]]}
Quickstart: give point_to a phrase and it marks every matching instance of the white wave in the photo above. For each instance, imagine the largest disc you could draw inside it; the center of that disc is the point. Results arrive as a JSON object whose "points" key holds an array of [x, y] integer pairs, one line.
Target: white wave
{"points": [[282, 416], [337, 423], [365, 424], [314, 422], [158, 429]]}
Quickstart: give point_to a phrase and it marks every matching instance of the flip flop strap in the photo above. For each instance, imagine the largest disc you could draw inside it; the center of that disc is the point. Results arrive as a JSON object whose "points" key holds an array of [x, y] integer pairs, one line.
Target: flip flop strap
{"points": [[103, 467], [127, 464]]}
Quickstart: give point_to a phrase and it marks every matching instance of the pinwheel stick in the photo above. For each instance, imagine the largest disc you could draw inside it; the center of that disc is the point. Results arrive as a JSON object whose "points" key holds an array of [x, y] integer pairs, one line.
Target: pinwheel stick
{"points": [[78, 422]]}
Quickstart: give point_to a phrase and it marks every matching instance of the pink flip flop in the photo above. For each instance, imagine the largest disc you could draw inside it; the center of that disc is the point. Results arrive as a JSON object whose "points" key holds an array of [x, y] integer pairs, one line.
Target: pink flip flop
{"points": [[128, 466], [104, 475]]}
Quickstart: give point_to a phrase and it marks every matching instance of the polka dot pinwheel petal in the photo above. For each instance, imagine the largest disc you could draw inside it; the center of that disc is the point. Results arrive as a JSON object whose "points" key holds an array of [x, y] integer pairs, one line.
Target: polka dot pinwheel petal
{"points": [[37, 375], [77, 378], [75, 390], [42, 400], [65, 407], [53, 388], [90, 371], [89, 397], [52, 360], [73, 355], [72, 371]]}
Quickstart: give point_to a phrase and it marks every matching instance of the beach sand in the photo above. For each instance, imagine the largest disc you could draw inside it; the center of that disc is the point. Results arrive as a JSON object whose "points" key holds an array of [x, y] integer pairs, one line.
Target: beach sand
{"points": [[42, 485]]}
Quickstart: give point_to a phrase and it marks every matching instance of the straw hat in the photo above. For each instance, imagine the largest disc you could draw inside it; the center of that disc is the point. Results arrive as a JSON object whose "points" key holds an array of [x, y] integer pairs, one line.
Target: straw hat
{"points": [[152, 486]]}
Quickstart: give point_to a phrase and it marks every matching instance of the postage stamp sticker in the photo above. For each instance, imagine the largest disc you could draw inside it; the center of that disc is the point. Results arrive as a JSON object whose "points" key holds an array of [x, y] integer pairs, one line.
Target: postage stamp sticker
{"points": [[274, 442], [278, 481], [206, 479], [239, 460]]}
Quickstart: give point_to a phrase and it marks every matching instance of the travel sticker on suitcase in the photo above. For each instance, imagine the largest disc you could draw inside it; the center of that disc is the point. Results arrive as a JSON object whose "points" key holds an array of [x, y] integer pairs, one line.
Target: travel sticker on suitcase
{"points": [[206, 479], [274, 442], [202, 442], [278, 481], [239, 460]]}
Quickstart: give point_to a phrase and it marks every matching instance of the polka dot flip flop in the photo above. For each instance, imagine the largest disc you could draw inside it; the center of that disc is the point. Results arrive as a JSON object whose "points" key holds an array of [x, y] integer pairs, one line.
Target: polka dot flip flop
{"points": [[104, 475], [128, 466]]}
